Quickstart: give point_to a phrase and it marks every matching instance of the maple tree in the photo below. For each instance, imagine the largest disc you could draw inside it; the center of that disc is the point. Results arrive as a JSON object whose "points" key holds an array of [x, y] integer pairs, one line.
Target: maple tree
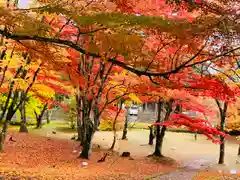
{"points": [[24, 78], [183, 92]]}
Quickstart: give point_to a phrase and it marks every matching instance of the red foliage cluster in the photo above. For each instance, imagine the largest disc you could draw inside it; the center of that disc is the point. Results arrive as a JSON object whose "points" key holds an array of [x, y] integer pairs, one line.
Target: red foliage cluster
{"points": [[194, 125]]}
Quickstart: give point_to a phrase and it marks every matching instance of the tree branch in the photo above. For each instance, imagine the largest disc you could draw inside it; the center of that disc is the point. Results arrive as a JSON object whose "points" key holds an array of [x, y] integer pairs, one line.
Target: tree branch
{"points": [[112, 60]]}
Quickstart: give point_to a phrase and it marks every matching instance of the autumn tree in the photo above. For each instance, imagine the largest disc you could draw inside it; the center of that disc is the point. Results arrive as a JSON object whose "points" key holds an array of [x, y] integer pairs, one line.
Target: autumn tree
{"points": [[152, 43]]}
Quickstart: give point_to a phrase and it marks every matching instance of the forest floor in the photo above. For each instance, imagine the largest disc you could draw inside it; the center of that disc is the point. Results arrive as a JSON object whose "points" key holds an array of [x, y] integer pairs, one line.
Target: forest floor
{"points": [[35, 157], [54, 156]]}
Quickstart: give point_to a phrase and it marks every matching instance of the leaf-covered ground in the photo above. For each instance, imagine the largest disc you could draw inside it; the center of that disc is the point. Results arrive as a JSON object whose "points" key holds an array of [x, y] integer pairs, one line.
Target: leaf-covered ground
{"points": [[34, 157]]}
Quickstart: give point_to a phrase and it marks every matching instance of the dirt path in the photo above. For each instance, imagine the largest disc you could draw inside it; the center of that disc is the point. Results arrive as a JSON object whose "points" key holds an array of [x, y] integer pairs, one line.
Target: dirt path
{"points": [[194, 156]]}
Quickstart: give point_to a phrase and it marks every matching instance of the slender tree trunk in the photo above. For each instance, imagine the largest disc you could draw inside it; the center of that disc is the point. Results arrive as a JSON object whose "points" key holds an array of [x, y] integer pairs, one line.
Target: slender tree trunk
{"points": [[195, 136], [161, 137], [39, 117], [23, 126], [239, 150], [4, 129], [88, 131], [3, 135], [144, 107], [114, 126], [157, 151], [10, 110], [223, 111], [49, 114], [87, 128], [83, 128], [114, 141], [222, 151], [96, 116], [151, 135], [124, 136], [114, 136], [79, 115], [164, 128]]}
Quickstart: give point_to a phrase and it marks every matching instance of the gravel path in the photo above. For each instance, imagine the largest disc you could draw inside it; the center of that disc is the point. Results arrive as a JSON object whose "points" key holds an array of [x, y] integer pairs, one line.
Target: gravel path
{"points": [[189, 169], [178, 175]]}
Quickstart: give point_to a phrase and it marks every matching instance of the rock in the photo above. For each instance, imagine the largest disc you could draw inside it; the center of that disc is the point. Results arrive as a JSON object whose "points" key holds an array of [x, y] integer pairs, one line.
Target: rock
{"points": [[130, 158], [84, 164], [233, 171], [126, 154], [238, 160]]}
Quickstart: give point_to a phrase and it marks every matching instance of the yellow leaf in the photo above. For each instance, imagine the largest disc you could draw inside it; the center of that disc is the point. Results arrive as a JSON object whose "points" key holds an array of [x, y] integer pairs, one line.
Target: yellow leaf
{"points": [[20, 84], [134, 98], [127, 103]]}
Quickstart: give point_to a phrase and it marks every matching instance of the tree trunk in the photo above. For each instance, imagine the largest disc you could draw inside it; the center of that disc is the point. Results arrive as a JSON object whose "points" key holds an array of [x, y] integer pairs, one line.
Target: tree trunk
{"points": [[114, 126], [89, 131], [79, 115], [151, 135], [114, 141], [157, 151], [11, 111], [49, 114], [223, 111], [144, 107], [161, 137], [195, 136], [114, 136], [23, 126], [39, 117], [222, 151], [239, 150], [164, 128], [3, 135], [96, 116], [124, 136]]}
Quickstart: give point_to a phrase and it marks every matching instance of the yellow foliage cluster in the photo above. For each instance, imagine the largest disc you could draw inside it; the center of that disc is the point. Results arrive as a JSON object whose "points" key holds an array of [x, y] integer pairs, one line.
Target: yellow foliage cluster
{"points": [[233, 126], [107, 125]]}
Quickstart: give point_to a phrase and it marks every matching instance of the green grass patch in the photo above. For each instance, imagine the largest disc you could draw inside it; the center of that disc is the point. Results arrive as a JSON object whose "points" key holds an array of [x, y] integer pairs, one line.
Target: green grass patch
{"points": [[141, 125], [65, 129], [57, 124], [138, 125]]}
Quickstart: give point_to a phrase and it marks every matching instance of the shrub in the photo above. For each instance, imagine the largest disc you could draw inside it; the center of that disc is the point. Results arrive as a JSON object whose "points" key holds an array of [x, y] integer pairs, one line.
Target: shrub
{"points": [[107, 125], [18, 122]]}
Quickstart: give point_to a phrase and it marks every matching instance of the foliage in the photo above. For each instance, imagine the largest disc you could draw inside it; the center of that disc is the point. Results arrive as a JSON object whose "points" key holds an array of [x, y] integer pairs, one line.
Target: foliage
{"points": [[101, 52], [107, 125], [71, 113]]}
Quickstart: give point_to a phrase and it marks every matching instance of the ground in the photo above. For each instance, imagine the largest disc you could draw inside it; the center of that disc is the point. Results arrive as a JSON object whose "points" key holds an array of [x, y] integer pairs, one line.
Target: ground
{"points": [[49, 158], [54, 156]]}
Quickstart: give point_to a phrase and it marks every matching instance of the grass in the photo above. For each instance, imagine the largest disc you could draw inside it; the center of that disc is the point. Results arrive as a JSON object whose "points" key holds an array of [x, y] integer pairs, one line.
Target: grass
{"points": [[60, 126], [141, 125], [64, 127], [138, 125]]}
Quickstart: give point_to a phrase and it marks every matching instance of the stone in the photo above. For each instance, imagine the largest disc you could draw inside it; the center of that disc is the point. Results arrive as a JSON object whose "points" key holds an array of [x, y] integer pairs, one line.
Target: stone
{"points": [[84, 164]]}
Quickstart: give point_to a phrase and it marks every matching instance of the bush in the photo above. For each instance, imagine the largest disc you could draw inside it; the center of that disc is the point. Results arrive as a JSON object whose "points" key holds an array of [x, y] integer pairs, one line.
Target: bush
{"points": [[18, 123], [233, 128], [107, 125]]}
